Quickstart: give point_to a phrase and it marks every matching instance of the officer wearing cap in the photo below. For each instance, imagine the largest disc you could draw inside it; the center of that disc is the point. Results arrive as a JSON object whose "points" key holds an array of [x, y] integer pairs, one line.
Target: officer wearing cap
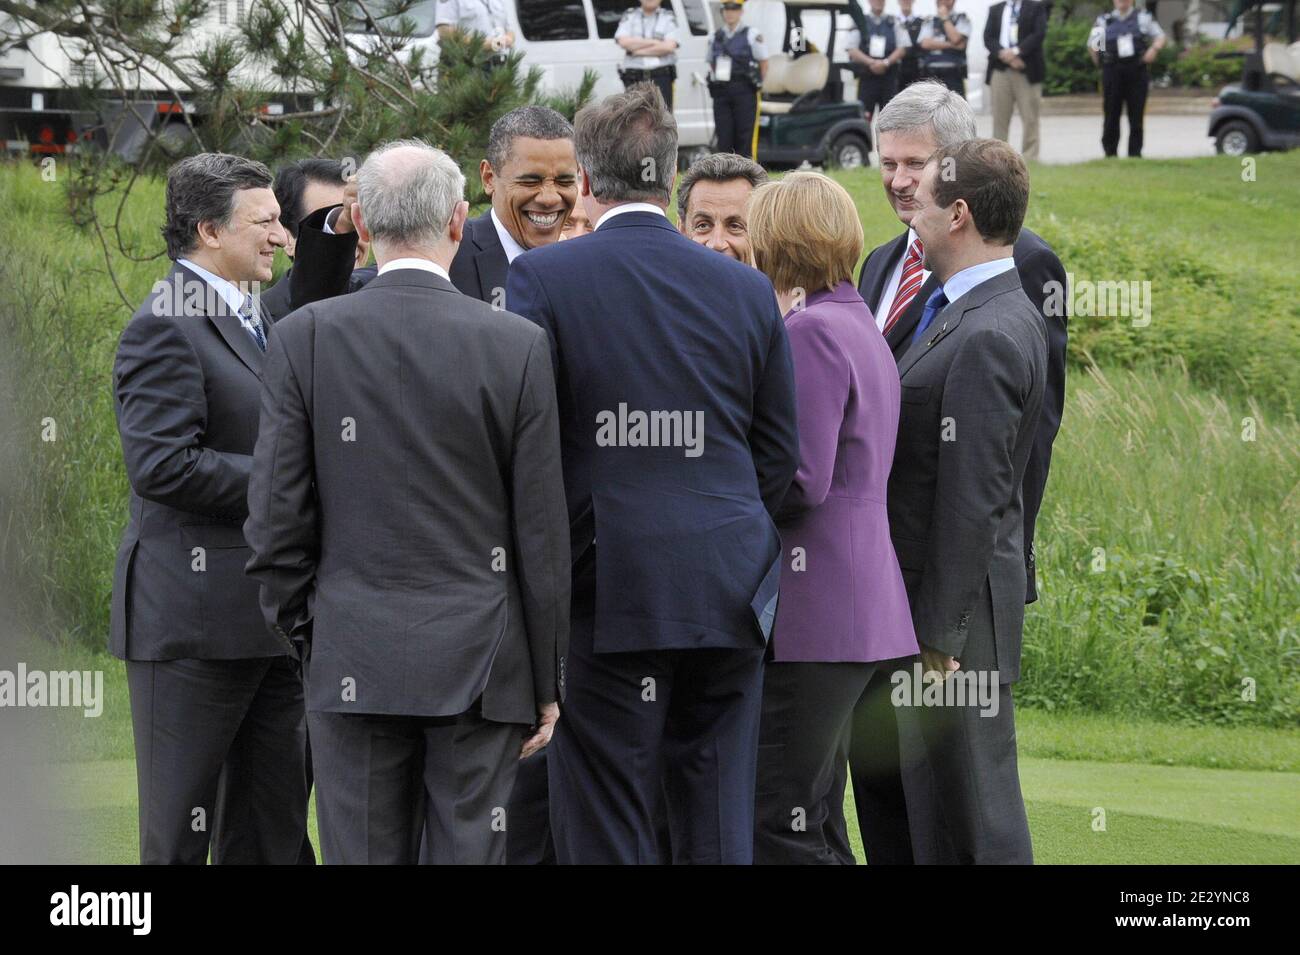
{"points": [[737, 65], [488, 17], [943, 38], [909, 67], [649, 36], [1124, 42], [884, 44]]}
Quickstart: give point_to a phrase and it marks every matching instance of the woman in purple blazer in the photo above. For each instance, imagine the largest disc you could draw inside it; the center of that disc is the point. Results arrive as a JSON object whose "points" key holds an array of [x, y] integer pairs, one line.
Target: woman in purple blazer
{"points": [[843, 608]]}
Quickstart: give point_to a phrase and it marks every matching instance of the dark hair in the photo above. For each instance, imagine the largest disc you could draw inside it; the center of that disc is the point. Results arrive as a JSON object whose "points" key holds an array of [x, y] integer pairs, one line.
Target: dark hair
{"points": [[716, 167], [992, 179], [290, 186], [201, 189], [530, 122], [627, 144]]}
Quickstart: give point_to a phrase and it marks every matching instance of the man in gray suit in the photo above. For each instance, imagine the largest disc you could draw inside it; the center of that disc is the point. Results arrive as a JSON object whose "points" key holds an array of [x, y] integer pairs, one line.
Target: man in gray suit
{"points": [[216, 701], [972, 379], [409, 530]]}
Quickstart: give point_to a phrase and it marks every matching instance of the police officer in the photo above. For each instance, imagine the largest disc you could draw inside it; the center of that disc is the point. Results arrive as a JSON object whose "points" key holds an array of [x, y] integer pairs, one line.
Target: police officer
{"points": [[1125, 42], [737, 65], [909, 67], [649, 35], [488, 17], [943, 38], [884, 44]]}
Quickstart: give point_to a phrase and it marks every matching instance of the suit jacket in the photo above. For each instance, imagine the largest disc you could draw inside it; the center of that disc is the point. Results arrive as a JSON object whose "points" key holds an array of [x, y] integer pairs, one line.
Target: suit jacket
{"points": [[1032, 26], [846, 602], [1039, 268], [323, 262], [185, 384], [672, 549], [406, 506], [972, 390], [276, 301]]}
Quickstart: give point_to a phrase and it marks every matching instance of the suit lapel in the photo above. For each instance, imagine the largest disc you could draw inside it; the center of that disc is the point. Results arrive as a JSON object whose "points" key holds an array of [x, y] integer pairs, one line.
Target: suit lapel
{"points": [[214, 308], [946, 322], [490, 262], [877, 269], [901, 334]]}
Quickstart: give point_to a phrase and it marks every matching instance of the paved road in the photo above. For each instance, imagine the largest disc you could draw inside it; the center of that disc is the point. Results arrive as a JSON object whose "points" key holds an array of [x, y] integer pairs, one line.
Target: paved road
{"points": [[1077, 138]]}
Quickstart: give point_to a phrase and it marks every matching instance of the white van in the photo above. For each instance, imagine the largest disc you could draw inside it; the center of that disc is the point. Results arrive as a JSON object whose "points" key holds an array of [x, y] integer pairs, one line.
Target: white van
{"points": [[566, 37]]}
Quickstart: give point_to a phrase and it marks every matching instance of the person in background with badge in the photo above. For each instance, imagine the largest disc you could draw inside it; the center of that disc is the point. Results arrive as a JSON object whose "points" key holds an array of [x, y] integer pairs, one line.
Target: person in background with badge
{"points": [[884, 43], [1014, 34], [943, 38], [737, 65], [1124, 42], [909, 67], [488, 17], [649, 36]]}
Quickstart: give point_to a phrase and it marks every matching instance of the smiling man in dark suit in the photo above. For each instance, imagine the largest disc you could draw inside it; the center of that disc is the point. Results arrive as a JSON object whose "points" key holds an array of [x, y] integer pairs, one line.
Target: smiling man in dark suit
{"points": [[530, 173], [406, 515], [973, 377], [678, 430], [216, 701]]}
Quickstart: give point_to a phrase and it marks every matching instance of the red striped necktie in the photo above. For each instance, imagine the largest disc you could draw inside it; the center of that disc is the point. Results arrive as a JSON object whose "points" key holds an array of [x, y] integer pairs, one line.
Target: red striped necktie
{"points": [[908, 285]]}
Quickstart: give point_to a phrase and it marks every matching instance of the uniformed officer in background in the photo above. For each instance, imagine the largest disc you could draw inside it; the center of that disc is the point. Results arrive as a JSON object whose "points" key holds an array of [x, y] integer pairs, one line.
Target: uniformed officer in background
{"points": [[649, 35], [943, 38], [488, 17], [1125, 42], [884, 44], [737, 65], [909, 67]]}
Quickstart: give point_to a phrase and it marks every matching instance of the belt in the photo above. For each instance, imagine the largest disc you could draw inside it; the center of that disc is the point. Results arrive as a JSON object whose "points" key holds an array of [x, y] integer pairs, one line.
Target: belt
{"points": [[657, 72]]}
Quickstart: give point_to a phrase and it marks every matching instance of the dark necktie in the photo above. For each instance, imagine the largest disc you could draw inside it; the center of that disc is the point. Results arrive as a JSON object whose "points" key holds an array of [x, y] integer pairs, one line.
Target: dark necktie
{"points": [[252, 322], [933, 306]]}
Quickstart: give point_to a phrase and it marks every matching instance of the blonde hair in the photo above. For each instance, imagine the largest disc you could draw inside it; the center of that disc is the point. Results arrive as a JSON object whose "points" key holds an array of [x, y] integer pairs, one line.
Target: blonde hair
{"points": [[805, 232]]}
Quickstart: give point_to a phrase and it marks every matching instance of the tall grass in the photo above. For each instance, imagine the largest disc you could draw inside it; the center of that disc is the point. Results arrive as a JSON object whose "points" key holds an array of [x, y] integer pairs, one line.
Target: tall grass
{"points": [[1167, 544]]}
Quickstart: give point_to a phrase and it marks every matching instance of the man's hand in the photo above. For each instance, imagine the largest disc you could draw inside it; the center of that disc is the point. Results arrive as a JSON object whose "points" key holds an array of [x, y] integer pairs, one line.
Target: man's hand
{"points": [[879, 67], [546, 719], [938, 663], [1017, 63], [343, 223], [1006, 56], [1149, 56]]}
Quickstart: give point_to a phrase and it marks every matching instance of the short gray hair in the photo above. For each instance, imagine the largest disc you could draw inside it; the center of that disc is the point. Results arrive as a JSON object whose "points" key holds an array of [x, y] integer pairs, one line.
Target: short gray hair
{"points": [[717, 167], [530, 122], [202, 189], [407, 191], [929, 103], [627, 144]]}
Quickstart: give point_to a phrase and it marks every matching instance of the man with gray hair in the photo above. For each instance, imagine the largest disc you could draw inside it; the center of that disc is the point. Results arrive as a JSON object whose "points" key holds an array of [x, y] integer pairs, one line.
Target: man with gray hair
{"points": [[711, 199], [896, 282], [216, 700], [679, 440], [406, 514]]}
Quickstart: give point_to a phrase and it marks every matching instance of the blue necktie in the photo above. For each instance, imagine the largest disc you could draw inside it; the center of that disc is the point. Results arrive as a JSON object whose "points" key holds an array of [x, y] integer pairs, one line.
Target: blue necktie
{"points": [[252, 322], [933, 306]]}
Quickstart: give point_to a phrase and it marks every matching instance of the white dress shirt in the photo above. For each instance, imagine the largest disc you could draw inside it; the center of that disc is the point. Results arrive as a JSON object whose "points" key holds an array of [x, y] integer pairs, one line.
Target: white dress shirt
{"points": [[891, 287], [967, 279], [233, 297], [629, 207], [424, 265], [1004, 40]]}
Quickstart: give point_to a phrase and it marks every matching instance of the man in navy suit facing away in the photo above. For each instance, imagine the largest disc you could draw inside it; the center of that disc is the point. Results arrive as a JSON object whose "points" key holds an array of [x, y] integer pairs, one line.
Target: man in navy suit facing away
{"points": [[677, 426]]}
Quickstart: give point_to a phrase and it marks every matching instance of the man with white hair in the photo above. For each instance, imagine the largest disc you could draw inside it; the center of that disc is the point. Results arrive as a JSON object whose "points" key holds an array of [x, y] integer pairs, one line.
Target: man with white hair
{"points": [[895, 282], [408, 526]]}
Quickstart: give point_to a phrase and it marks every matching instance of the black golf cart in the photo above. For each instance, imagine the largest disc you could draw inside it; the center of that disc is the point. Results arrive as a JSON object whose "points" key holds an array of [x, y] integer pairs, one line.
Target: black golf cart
{"points": [[1262, 111]]}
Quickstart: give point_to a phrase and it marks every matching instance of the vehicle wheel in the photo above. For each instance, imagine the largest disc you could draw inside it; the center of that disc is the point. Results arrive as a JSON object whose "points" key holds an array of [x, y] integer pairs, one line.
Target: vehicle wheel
{"points": [[1236, 138], [849, 151]]}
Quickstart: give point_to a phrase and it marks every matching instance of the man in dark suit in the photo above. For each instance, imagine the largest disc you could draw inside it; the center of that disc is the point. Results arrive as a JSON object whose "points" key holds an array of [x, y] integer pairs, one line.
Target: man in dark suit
{"points": [[1014, 34], [216, 701], [301, 187], [530, 173], [677, 423], [406, 514], [973, 378]]}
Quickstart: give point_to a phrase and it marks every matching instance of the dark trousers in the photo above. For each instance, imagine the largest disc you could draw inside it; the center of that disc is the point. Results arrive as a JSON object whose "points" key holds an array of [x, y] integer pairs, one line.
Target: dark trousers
{"points": [[528, 841], [1123, 86], [383, 782], [954, 79], [806, 711], [664, 82], [875, 91], [735, 113], [219, 752], [909, 71], [678, 725]]}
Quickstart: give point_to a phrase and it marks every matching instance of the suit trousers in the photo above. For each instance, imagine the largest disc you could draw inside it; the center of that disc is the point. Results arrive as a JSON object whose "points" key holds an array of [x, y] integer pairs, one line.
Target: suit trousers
{"points": [[1123, 86], [528, 841], [876, 91], [735, 114], [220, 750], [806, 710], [383, 782], [638, 727], [1011, 90]]}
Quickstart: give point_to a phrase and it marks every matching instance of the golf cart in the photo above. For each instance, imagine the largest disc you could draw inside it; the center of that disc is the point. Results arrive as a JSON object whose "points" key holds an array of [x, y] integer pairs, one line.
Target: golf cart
{"points": [[1263, 110], [802, 113]]}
